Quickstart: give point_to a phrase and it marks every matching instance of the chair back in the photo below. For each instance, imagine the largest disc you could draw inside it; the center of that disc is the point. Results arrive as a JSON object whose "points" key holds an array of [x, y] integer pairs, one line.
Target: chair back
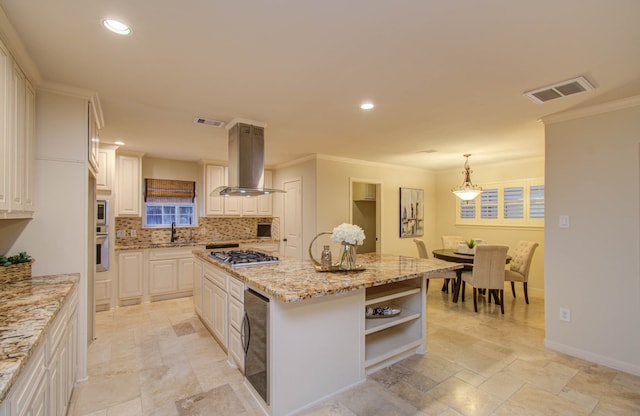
{"points": [[488, 266], [451, 241], [422, 248], [521, 259]]}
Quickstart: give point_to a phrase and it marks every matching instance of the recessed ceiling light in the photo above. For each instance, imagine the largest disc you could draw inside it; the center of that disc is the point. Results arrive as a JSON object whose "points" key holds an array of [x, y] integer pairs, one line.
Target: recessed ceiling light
{"points": [[366, 106], [116, 26], [119, 143]]}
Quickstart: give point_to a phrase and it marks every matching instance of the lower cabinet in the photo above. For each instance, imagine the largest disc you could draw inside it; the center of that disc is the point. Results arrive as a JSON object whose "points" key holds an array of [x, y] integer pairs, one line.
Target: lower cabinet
{"points": [[45, 385], [221, 308], [130, 274]]}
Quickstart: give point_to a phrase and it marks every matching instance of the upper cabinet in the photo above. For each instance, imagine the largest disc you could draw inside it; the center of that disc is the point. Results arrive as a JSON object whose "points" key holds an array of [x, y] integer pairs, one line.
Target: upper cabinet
{"points": [[93, 142], [106, 168], [17, 132], [129, 189], [216, 176]]}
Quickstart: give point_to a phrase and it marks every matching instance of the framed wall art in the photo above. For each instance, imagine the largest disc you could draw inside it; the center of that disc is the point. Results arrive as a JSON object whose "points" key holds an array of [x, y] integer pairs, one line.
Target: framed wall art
{"points": [[411, 212]]}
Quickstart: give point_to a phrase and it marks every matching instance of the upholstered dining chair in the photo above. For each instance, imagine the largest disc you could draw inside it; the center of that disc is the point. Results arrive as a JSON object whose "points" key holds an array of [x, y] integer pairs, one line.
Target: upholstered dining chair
{"points": [[451, 241], [518, 270], [488, 272], [424, 254]]}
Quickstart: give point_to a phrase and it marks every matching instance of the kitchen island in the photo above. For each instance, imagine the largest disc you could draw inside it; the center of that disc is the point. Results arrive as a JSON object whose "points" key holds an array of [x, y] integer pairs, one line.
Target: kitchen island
{"points": [[319, 341]]}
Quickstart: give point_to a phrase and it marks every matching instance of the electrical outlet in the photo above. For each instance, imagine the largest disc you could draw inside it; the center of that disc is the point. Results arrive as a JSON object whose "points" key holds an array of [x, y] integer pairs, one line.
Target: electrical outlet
{"points": [[565, 314], [121, 233], [564, 221], [134, 233]]}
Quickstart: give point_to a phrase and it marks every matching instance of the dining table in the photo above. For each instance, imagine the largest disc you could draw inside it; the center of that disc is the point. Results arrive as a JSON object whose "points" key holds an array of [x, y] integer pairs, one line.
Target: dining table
{"points": [[450, 254]]}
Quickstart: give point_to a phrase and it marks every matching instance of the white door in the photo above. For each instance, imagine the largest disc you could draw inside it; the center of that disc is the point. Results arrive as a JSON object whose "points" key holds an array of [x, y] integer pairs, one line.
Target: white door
{"points": [[292, 218]]}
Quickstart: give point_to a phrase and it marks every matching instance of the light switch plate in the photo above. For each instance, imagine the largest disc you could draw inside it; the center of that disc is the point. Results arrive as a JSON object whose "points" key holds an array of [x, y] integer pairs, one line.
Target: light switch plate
{"points": [[564, 221]]}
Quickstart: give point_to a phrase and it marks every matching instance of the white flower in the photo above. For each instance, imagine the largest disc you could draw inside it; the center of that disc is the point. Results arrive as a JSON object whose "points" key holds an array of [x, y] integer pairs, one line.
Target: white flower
{"points": [[348, 233]]}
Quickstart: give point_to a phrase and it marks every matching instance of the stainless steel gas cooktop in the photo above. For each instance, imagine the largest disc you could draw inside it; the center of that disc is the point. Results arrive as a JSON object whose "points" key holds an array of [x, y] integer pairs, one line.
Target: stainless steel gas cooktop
{"points": [[237, 258]]}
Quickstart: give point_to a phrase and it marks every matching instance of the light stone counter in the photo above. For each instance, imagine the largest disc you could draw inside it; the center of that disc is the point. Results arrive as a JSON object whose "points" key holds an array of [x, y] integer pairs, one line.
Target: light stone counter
{"points": [[292, 280], [27, 308]]}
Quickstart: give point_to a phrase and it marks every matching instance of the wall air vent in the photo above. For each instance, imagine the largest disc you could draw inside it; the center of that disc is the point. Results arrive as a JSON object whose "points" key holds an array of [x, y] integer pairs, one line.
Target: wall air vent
{"points": [[208, 122], [559, 90]]}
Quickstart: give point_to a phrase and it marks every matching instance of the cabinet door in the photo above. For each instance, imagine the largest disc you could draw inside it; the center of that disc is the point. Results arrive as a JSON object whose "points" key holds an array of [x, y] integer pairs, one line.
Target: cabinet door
{"points": [[250, 205], [29, 145], [6, 114], [220, 315], [163, 277], [197, 286], [17, 135], [207, 302], [185, 274], [106, 167], [265, 202], [129, 188], [214, 177], [130, 274], [236, 352]]}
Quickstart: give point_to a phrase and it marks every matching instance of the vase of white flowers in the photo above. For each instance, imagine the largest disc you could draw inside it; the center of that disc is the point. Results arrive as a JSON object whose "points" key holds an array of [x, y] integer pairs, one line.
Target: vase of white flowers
{"points": [[350, 236]]}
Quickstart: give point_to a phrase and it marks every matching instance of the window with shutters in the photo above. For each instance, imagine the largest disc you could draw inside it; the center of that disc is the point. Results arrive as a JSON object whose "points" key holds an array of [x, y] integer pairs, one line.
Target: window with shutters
{"points": [[512, 203], [169, 202]]}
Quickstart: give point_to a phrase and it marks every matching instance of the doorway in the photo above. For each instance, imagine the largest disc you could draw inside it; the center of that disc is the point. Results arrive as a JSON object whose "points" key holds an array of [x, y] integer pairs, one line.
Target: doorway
{"points": [[292, 218], [365, 212]]}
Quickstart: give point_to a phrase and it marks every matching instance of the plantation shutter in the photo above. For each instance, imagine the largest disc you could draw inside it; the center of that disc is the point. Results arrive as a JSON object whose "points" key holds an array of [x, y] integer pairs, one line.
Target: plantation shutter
{"points": [[489, 204], [169, 190], [514, 203], [536, 202]]}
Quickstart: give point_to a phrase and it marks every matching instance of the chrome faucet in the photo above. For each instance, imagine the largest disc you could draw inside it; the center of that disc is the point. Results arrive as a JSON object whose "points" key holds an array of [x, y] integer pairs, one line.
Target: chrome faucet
{"points": [[173, 232]]}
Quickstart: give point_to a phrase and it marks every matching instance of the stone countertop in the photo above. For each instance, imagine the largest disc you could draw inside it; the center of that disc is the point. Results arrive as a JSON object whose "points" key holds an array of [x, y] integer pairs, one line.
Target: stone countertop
{"points": [[292, 280], [142, 246], [27, 308]]}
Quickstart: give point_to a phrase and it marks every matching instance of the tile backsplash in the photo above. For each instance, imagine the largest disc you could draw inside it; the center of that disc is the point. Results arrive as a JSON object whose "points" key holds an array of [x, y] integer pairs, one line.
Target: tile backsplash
{"points": [[208, 230]]}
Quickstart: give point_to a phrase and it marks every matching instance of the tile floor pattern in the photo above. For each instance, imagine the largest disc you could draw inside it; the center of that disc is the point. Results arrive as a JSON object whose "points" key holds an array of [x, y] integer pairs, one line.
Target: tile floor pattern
{"points": [[157, 359]]}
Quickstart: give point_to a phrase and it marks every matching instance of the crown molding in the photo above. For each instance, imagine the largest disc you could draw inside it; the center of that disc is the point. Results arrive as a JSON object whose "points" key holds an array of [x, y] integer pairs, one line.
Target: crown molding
{"points": [[593, 110]]}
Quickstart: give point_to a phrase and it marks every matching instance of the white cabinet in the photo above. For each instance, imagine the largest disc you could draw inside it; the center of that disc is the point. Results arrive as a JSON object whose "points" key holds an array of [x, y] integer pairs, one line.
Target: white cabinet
{"points": [[214, 303], [265, 202], [198, 269], [17, 132], [130, 274], [216, 176], [170, 270], [236, 315], [386, 339], [129, 189], [163, 277], [106, 168], [45, 384], [93, 142]]}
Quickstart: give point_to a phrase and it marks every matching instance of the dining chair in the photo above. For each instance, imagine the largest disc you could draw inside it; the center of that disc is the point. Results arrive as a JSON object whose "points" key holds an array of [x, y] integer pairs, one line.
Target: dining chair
{"points": [[518, 270], [451, 241], [488, 272], [424, 254]]}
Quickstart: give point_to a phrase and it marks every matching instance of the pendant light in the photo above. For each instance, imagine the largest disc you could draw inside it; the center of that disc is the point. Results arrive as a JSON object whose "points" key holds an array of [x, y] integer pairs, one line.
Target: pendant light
{"points": [[467, 191]]}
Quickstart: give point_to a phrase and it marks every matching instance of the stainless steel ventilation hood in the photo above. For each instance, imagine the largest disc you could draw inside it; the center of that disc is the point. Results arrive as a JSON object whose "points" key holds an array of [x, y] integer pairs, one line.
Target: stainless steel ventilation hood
{"points": [[246, 162]]}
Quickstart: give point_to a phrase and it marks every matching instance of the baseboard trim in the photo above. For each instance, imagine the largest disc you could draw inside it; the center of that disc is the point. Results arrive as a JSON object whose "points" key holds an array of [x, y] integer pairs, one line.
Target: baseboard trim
{"points": [[595, 358]]}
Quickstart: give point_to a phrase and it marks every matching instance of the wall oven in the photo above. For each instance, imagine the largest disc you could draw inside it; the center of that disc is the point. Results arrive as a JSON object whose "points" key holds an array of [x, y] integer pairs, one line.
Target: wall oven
{"points": [[101, 212], [102, 252]]}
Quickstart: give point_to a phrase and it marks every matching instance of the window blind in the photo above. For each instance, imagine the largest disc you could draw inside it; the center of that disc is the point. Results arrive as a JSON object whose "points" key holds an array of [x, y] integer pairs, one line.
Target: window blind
{"points": [[489, 204], [536, 202], [169, 190], [514, 203]]}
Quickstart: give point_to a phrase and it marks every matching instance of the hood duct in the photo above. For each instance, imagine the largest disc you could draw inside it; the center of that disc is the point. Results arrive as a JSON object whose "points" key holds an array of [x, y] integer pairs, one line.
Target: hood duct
{"points": [[246, 162]]}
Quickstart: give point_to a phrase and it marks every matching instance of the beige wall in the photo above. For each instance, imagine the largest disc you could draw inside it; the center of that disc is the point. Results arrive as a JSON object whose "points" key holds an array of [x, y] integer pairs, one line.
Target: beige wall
{"points": [[446, 210], [592, 267], [171, 169]]}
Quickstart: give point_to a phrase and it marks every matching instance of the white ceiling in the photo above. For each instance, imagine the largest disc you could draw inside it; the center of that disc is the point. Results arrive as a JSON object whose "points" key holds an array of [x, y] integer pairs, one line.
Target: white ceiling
{"points": [[444, 75]]}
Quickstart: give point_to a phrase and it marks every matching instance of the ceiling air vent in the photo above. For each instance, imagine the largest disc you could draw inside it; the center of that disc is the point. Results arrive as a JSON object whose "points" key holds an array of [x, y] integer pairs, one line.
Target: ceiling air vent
{"points": [[208, 122], [559, 90]]}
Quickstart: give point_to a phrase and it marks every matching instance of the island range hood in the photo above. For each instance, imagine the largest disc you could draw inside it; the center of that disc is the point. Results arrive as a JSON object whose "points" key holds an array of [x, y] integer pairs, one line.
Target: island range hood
{"points": [[246, 162]]}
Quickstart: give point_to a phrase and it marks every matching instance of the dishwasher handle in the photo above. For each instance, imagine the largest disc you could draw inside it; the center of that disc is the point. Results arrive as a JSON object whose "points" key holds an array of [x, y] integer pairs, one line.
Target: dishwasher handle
{"points": [[245, 334]]}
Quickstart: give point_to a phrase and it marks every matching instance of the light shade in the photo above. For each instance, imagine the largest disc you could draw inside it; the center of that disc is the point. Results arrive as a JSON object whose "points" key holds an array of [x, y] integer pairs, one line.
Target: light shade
{"points": [[467, 191]]}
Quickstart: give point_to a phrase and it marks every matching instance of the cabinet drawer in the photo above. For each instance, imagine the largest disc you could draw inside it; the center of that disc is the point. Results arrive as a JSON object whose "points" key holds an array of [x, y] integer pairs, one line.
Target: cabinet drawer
{"points": [[171, 253], [236, 289], [236, 311], [218, 277]]}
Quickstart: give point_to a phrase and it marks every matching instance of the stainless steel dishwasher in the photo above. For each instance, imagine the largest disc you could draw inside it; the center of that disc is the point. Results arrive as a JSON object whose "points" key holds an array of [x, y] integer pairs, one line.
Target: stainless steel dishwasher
{"points": [[254, 334]]}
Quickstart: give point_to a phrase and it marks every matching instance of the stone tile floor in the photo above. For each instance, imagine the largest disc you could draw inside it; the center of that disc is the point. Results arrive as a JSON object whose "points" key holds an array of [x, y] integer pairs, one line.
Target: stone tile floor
{"points": [[158, 359]]}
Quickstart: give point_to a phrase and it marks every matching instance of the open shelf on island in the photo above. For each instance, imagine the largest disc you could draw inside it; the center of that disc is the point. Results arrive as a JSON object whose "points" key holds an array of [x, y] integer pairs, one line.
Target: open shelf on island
{"points": [[375, 325], [384, 293]]}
